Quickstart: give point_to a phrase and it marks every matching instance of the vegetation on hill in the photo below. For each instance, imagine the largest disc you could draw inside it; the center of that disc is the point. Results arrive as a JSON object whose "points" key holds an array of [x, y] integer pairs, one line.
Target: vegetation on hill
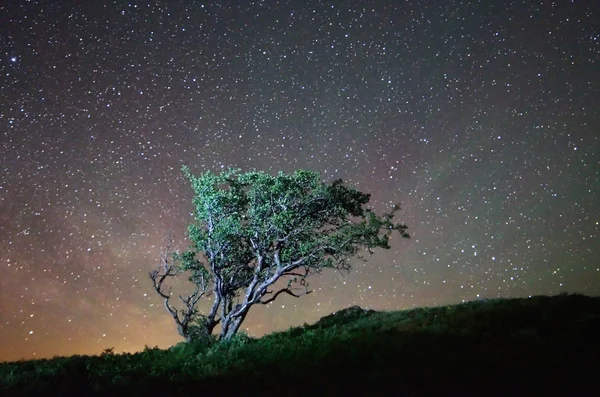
{"points": [[530, 346]]}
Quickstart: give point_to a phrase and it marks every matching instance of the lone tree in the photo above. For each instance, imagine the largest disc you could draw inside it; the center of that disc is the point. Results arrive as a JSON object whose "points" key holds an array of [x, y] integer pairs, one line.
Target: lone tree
{"points": [[254, 229]]}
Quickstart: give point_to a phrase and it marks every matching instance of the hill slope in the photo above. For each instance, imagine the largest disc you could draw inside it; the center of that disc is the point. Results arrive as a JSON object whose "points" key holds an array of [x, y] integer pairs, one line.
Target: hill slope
{"points": [[532, 346]]}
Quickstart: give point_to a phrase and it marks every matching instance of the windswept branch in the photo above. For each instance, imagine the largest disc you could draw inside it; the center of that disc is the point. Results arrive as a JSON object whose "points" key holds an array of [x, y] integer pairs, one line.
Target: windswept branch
{"points": [[167, 269], [281, 291]]}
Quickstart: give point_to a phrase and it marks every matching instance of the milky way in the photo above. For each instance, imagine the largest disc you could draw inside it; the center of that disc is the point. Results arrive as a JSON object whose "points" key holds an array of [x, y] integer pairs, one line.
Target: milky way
{"points": [[482, 120]]}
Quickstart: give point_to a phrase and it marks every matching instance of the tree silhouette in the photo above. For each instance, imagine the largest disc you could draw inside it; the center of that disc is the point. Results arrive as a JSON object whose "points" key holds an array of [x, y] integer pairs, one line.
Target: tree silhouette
{"points": [[252, 230]]}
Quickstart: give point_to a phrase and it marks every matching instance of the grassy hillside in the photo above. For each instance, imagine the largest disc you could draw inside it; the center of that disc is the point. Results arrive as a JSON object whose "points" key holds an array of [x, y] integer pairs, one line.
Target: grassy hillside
{"points": [[532, 346]]}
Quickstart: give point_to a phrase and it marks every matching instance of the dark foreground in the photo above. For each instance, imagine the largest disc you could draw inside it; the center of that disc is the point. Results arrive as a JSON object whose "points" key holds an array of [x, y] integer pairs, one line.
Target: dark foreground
{"points": [[540, 346]]}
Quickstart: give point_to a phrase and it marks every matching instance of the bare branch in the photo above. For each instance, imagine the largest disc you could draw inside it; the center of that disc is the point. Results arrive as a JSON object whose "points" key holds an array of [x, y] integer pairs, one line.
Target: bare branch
{"points": [[286, 290], [166, 268], [295, 274]]}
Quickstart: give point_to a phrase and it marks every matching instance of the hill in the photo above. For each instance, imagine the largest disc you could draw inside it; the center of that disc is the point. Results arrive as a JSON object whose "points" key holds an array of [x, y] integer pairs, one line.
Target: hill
{"points": [[534, 346]]}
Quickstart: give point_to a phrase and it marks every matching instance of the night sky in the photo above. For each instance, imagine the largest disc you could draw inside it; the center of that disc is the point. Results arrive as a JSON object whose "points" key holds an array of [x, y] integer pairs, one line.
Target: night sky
{"points": [[480, 117]]}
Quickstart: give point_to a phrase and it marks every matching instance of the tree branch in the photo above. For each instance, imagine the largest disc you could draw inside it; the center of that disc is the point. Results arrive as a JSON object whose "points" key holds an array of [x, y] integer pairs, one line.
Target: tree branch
{"points": [[295, 274], [286, 290], [165, 269]]}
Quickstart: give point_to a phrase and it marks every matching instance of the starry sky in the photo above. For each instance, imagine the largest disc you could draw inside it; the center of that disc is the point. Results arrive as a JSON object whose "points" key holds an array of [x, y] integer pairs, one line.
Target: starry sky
{"points": [[480, 117]]}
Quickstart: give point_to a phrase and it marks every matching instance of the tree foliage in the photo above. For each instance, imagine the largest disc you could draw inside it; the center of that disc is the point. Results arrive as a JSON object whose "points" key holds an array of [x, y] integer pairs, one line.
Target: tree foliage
{"points": [[254, 229]]}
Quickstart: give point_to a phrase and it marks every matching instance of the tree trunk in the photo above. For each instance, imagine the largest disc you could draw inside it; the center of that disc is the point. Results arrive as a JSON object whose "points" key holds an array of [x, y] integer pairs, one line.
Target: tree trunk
{"points": [[233, 325]]}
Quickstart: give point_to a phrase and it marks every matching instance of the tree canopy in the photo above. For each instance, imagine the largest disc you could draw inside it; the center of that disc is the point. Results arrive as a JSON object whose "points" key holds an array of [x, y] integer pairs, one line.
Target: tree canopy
{"points": [[254, 229]]}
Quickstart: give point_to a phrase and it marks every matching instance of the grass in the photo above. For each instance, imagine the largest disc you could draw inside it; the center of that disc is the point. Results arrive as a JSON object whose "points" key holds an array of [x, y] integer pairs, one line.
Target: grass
{"points": [[531, 347]]}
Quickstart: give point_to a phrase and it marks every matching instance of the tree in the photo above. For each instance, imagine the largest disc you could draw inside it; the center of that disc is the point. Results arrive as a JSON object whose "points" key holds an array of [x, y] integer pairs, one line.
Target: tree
{"points": [[253, 232]]}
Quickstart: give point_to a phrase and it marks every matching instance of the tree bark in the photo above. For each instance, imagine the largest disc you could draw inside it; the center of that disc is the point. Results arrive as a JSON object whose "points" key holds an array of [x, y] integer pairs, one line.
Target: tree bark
{"points": [[233, 325]]}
